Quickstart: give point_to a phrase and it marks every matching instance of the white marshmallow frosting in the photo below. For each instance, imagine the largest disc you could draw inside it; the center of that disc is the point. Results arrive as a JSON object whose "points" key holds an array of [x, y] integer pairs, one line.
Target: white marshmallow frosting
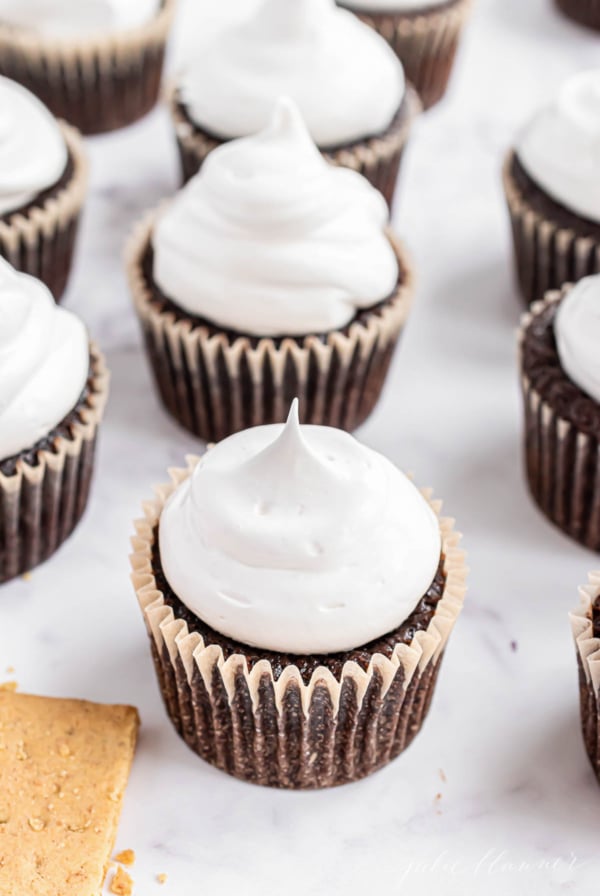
{"points": [[33, 152], [77, 18], [269, 239], [391, 5], [343, 76], [44, 361], [299, 539], [560, 147], [577, 333]]}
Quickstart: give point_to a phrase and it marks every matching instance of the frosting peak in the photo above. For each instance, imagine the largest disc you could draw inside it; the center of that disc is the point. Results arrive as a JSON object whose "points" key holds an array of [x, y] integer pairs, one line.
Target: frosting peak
{"points": [[577, 332], [269, 239], [299, 539], [33, 153], [344, 77], [560, 147], [44, 361]]}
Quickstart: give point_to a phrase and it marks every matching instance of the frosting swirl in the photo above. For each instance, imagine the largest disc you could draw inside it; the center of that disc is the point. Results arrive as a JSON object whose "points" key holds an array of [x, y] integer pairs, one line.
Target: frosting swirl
{"points": [[83, 18], [269, 239], [344, 77], [391, 5], [560, 147], [299, 539], [577, 333], [44, 361], [33, 153]]}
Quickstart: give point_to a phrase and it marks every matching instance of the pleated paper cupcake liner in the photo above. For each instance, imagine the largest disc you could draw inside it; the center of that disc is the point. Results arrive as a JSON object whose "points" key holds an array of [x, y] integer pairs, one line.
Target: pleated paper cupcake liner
{"points": [[377, 159], [215, 384], [562, 462], [285, 732], [97, 84], [588, 661], [41, 241], [426, 44], [547, 254], [584, 12], [41, 504]]}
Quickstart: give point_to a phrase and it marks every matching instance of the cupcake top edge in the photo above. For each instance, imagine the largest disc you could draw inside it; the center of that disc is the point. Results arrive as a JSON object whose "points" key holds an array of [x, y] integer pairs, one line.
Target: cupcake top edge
{"points": [[392, 6], [560, 147], [346, 80], [269, 239], [577, 333], [59, 19], [299, 539], [44, 361], [33, 152]]}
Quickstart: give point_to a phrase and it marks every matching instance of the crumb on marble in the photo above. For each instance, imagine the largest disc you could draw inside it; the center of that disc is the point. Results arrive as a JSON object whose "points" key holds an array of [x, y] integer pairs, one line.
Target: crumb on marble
{"points": [[9, 686], [161, 878], [126, 857], [10, 670], [26, 577], [442, 775], [514, 646], [121, 883]]}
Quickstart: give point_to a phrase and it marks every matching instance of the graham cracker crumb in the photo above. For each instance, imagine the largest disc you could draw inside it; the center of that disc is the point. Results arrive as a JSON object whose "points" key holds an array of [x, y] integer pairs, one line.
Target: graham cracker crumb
{"points": [[26, 577], [442, 774], [121, 884], [36, 824], [63, 749], [9, 686], [126, 857], [161, 878], [10, 670]]}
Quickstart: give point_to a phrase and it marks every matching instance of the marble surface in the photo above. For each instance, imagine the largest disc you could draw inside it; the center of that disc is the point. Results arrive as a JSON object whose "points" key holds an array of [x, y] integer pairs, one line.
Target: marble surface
{"points": [[496, 794]]}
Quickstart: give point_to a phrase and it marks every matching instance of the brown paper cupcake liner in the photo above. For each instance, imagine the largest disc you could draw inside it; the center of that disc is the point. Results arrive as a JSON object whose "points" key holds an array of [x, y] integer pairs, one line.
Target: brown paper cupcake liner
{"points": [[98, 84], [584, 12], [547, 254], [215, 384], [426, 43], [377, 159], [284, 732], [41, 503], [41, 241], [562, 462], [588, 661]]}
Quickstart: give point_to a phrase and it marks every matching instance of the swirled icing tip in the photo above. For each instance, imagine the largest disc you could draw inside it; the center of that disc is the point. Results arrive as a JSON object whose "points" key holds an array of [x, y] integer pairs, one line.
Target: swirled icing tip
{"points": [[290, 443], [579, 99], [287, 124]]}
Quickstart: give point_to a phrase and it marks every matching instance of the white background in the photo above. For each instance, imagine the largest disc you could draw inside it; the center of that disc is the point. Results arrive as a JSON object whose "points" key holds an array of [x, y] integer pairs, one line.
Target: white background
{"points": [[519, 807]]}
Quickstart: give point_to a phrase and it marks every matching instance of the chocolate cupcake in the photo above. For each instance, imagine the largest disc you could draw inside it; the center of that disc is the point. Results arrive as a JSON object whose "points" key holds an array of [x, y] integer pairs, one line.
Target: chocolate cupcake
{"points": [[585, 12], [553, 193], [96, 63], [561, 386], [424, 34], [585, 624], [347, 83], [270, 275], [53, 387], [299, 592], [43, 180]]}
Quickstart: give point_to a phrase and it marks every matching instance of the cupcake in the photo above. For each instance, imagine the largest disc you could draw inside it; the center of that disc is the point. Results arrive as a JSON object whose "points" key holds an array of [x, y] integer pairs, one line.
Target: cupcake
{"points": [[53, 387], [560, 370], [270, 275], [585, 623], [96, 63], [585, 12], [43, 179], [424, 34], [346, 81], [553, 191], [298, 591]]}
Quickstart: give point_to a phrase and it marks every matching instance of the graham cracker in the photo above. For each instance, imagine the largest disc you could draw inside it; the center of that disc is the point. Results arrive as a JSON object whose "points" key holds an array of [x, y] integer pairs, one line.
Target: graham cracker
{"points": [[64, 766]]}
